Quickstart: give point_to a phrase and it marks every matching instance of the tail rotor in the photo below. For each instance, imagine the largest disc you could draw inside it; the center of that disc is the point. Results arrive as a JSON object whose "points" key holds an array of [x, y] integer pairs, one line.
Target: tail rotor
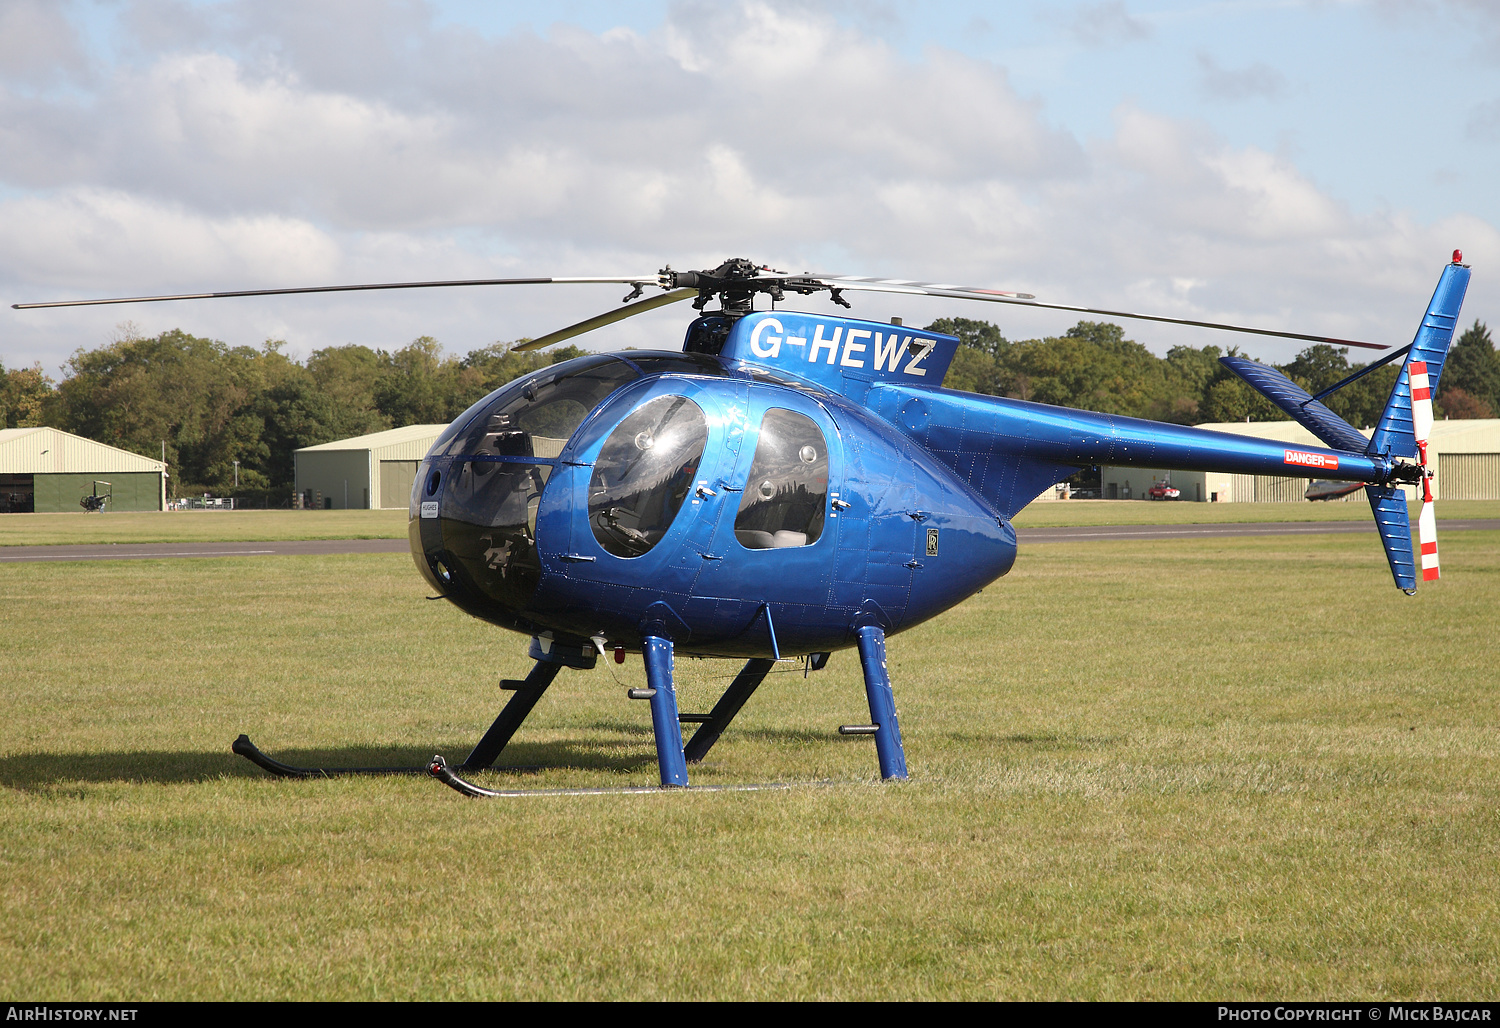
{"points": [[1421, 423]]}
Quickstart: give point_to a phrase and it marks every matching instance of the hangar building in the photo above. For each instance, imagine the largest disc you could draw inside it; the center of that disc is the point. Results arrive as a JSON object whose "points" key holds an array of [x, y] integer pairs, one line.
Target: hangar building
{"points": [[367, 471], [45, 470], [1466, 455]]}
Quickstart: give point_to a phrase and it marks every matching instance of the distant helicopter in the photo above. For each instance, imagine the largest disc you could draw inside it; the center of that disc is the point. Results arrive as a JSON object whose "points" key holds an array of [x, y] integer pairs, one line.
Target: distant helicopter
{"points": [[794, 484], [1323, 490]]}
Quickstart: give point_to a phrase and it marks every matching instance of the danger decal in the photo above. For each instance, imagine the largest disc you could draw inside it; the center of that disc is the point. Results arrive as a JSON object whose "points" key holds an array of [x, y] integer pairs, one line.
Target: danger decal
{"points": [[1301, 458]]}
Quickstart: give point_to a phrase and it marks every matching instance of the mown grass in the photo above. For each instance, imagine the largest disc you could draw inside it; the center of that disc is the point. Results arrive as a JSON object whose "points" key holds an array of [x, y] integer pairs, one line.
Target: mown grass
{"points": [[263, 525], [199, 526], [1237, 767]]}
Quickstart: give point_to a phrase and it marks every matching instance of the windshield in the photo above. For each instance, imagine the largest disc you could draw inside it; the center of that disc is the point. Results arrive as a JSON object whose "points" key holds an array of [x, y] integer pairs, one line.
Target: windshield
{"points": [[536, 414]]}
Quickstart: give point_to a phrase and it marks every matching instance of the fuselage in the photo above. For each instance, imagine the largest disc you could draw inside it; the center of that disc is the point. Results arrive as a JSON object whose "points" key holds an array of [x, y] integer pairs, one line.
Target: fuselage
{"points": [[785, 480], [743, 513]]}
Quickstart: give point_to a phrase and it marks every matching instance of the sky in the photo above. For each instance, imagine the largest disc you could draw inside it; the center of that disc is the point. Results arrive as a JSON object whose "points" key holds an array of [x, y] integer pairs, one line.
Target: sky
{"points": [[1307, 166]]}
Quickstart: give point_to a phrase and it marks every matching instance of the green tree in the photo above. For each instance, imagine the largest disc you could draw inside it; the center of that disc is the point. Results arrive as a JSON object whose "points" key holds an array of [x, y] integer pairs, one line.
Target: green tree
{"points": [[349, 377], [24, 396], [1472, 368], [1460, 406], [1093, 367], [197, 397], [415, 386], [981, 336], [499, 363], [209, 404]]}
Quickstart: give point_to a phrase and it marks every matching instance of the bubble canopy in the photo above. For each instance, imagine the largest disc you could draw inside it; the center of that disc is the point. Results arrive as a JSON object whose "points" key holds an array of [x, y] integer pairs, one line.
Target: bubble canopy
{"points": [[535, 415]]}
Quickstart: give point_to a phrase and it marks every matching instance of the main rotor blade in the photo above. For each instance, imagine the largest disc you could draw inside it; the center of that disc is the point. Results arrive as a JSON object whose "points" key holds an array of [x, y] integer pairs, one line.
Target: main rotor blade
{"points": [[642, 280], [618, 314], [1026, 300], [901, 285]]}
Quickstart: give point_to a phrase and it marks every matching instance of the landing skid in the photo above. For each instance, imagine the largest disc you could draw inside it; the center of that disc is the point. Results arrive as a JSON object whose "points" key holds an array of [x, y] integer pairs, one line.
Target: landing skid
{"points": [[666, 721], [253, 753], [440, 770]]}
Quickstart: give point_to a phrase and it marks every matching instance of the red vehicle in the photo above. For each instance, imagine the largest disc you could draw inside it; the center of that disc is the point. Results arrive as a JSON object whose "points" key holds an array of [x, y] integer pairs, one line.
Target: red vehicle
{"points": [[1162, 491]]}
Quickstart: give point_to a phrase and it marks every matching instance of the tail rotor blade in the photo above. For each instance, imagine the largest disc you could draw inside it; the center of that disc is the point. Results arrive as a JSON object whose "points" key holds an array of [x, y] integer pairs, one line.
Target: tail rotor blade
{"points": [[1421, 405], [1427, 534], [1421, 423]]}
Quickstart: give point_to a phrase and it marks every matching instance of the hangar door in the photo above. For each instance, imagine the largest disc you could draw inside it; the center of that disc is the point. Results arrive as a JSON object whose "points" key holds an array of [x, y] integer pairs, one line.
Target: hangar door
{"points": [[1469, 476], [396, 478]]}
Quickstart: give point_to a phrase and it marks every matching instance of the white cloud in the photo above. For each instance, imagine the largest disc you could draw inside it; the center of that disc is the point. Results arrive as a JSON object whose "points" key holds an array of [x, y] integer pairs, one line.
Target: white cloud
{"points": [[37, 45], [107, 238], [1219, 83], [268, 145], [1108, 23]]}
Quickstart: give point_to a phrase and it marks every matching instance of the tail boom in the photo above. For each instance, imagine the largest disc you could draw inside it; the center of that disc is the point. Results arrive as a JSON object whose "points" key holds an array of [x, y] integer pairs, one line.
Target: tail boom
{"points": [[991, 440]]}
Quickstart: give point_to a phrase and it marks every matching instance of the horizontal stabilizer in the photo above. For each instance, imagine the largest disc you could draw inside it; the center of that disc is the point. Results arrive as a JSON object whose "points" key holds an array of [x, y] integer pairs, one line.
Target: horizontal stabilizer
{"points": [[1299, 404], [1394, 525]]}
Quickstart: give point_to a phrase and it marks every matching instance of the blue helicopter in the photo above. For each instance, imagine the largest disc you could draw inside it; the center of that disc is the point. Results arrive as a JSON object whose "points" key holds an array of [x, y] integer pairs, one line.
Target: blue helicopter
{"points": [[794, 484]]}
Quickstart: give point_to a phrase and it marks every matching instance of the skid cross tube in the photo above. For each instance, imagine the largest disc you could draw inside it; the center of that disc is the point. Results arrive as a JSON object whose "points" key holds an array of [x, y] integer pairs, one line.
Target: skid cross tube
{"points": [[746, 682]]}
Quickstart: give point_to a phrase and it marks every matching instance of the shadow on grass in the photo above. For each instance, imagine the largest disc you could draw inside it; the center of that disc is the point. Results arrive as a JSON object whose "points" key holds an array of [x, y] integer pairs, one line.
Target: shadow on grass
{"points": [[800, 735], [1038, 741], [732, 732], [31, 771]]}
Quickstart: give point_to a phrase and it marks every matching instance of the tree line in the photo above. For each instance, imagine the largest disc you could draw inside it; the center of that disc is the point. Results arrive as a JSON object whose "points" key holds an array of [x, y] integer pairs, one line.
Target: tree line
{"points": [[210, 404], [1093, 366]]}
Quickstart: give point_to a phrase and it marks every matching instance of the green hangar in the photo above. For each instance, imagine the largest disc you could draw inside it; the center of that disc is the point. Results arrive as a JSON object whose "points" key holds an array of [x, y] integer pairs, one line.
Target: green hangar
{"points": [[46, 470], [366, 471]]}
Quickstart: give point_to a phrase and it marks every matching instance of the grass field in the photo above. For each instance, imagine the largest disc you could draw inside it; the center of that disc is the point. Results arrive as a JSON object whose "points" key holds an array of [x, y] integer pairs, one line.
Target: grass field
{"points": [[260, 525], [1241, 767], [200, 526]]}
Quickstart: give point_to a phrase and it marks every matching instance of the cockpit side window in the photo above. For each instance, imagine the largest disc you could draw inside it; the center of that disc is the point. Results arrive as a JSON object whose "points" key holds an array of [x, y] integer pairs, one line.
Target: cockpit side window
{"points": [[644, 472], [534, 415], [787, 491]]}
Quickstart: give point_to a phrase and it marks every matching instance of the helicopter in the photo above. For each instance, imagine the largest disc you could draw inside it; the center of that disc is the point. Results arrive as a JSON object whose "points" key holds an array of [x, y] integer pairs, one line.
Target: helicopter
{"points": [[793, 484]]}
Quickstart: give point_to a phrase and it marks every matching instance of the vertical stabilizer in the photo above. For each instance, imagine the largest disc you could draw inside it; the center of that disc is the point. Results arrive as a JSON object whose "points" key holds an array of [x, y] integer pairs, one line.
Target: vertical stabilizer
{"points": [[1394, 435], [1394, 525], [1403, 429]]}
